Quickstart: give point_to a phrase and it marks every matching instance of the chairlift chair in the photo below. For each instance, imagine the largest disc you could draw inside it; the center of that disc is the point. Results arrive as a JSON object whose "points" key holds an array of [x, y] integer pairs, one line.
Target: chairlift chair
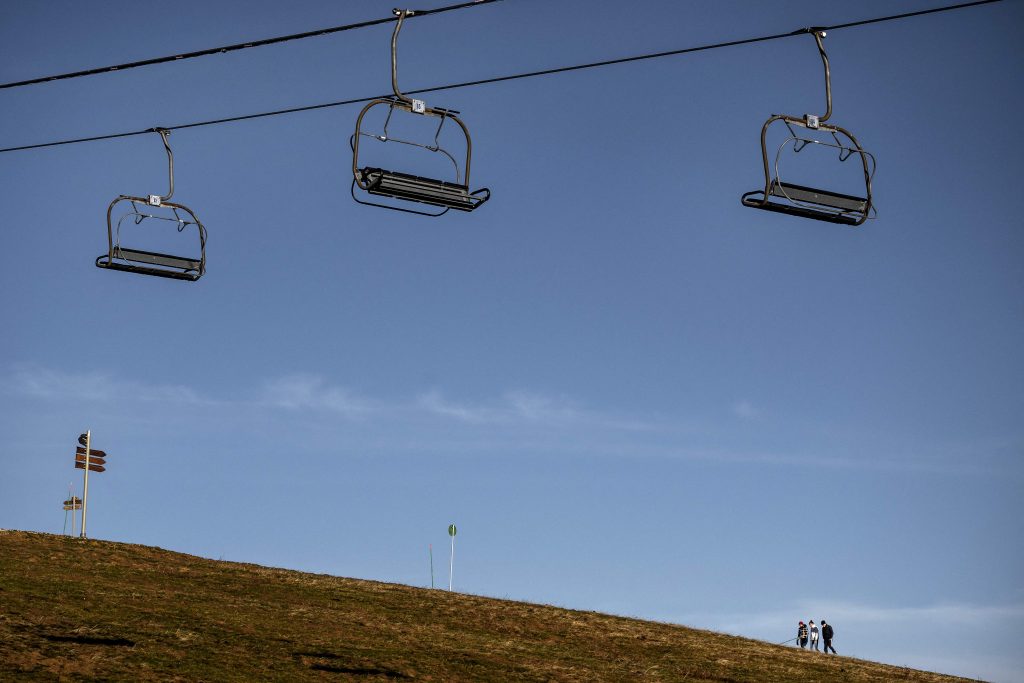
{"points": [[444, 194], [144, 211], [808, 202]]}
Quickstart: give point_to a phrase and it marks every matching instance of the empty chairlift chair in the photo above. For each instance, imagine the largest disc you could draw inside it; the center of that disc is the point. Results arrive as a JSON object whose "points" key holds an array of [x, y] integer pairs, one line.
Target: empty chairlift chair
{"points": [[809, 202], [453, 193], [145, 217]]}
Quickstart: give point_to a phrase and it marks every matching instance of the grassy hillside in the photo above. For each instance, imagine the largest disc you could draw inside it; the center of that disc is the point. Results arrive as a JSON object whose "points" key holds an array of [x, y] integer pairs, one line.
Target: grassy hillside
{"points": [[82, 610]]}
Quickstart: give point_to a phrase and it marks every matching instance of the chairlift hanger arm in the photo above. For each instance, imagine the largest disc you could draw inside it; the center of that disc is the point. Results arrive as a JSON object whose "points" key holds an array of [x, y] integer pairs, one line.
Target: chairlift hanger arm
{"points": [[402, 14], [814, 121], [157, 200], [416, 106], [818, 34]]}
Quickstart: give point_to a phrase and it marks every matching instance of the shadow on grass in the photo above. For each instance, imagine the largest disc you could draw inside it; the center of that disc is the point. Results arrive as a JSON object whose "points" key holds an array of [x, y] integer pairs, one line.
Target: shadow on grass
{"points": [[91, 640], [357, 671], [341, 669]]}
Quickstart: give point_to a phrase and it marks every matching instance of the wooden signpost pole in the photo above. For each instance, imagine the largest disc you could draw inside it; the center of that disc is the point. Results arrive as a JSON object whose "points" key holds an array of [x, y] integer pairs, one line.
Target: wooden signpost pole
{"points": [[85, 494], [87, 458]]}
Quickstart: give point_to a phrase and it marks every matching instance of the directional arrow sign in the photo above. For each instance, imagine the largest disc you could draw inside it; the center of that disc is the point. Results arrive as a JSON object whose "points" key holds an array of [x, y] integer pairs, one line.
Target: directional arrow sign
{"points": [[73, 501], [80, 457], [93, 452], [92, 467]]}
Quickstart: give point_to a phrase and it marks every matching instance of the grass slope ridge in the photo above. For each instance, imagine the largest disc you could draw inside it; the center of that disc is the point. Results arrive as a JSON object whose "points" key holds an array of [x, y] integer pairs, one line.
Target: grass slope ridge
{"points": [[83, 610]]}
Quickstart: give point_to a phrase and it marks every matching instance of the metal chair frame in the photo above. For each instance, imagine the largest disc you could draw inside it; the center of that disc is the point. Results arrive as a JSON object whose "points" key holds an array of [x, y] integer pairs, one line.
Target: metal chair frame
{"points": [[403, 186], [809, 202], [150, 262]]}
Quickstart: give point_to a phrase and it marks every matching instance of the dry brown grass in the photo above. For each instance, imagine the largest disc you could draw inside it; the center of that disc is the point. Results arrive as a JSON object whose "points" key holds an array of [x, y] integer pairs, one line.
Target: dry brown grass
{"points": [[83, 610]]}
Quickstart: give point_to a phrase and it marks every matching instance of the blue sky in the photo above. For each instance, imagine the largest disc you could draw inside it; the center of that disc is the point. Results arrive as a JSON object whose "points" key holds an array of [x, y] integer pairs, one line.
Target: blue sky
{"points": [[631, 393]]}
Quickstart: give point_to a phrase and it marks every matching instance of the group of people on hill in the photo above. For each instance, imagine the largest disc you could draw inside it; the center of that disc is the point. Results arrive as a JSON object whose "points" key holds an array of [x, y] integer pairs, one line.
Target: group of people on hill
{"points": [[809, 629]]}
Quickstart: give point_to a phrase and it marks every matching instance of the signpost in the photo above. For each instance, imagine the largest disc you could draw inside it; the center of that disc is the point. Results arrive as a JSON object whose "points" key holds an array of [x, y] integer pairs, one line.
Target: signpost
{"points": [[90, 461], [72, 504], [95, 464], [451, 561]]}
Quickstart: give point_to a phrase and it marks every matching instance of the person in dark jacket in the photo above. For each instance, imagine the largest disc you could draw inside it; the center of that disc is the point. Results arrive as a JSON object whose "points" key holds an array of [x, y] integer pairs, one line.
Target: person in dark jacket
{"points": [[826, 635], [801, 634]]}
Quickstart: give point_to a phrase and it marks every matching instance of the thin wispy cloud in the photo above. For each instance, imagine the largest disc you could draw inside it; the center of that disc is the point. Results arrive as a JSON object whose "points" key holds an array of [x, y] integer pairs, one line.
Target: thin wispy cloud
{"points": [[519, 421], [46, 383], [511, 408], [308, 392], [532, 409], [540, 408], [745, 410], [312, 392], [435, 403]]}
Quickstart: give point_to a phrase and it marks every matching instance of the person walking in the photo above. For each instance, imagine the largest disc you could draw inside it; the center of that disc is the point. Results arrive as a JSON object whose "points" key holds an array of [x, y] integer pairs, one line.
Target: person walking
{"points": [[801, 634], [827, 633], [814, 635]]}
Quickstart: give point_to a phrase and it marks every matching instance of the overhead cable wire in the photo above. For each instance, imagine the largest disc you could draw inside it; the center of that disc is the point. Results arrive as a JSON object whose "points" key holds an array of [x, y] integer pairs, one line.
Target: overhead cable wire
{"points": [[499, 79], [906, 15], [237, 46]]}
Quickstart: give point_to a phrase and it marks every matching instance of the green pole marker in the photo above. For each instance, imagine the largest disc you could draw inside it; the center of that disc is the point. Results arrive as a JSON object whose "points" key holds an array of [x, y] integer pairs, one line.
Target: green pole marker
{"points": [[451, 561]]}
